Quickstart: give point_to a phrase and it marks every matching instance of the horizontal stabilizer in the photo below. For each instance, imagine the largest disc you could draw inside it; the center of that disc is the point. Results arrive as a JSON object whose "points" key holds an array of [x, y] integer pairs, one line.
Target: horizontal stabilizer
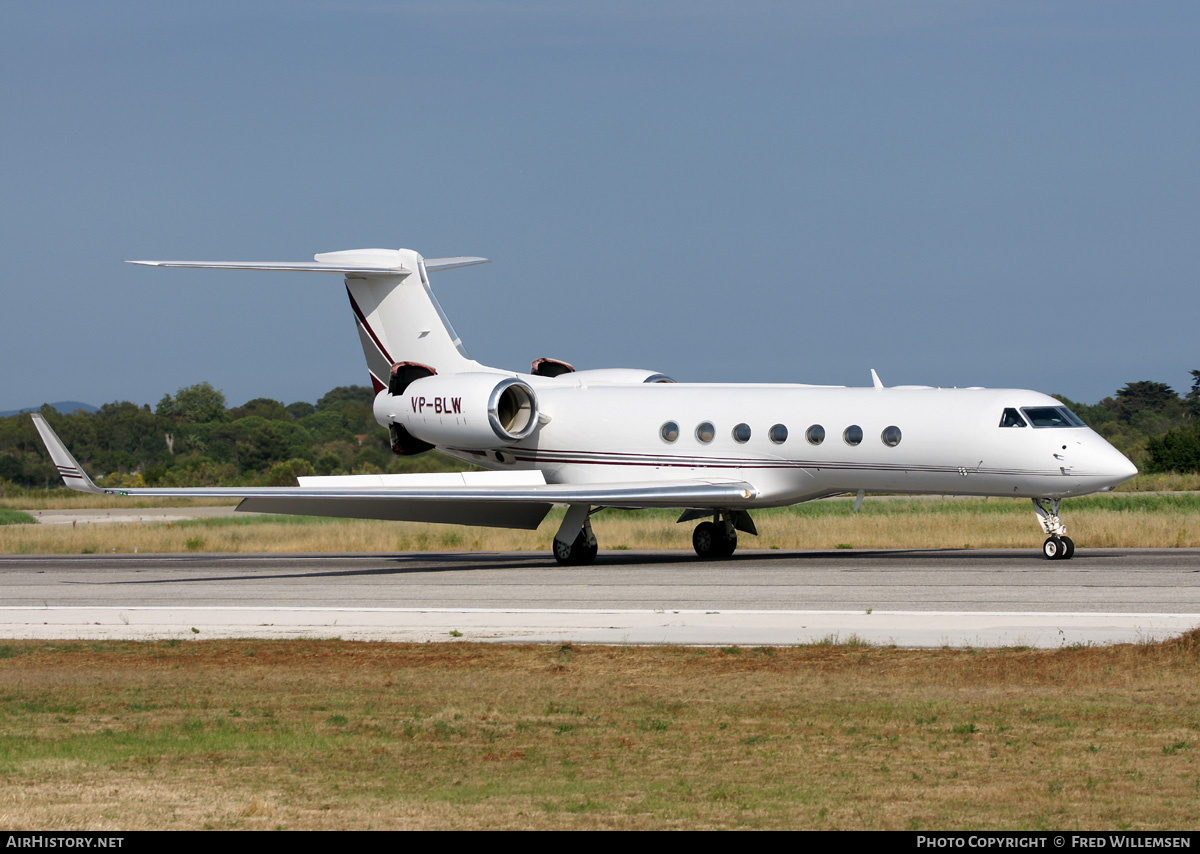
{"points": [[357, 262], [434, 265], [282, 266]]}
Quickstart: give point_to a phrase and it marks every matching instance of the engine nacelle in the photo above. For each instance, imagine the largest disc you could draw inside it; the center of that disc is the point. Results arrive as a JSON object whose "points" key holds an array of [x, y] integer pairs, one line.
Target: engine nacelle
{"points": [[476, 411]]}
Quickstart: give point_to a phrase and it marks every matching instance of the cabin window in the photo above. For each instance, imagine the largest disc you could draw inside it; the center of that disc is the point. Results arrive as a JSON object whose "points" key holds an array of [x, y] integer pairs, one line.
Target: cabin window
{"points": [[1011, 418], [815, 434], [1051, 416], [741, 434], [669, 431], [777, 434], [705, 432], [852, 435], [890, 436]]}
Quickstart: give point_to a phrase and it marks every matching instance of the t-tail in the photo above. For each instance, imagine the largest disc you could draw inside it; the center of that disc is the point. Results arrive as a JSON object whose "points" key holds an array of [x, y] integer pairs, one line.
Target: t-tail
{"points": [[404, 332]]}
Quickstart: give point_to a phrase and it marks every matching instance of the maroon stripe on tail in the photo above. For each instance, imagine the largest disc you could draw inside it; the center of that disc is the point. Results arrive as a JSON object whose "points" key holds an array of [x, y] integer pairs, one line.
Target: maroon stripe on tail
{"points": [[362, 318]]}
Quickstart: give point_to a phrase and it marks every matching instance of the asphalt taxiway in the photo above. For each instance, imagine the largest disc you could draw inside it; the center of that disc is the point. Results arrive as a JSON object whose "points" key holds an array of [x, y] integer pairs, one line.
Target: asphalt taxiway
{"points": [[908, 598]]}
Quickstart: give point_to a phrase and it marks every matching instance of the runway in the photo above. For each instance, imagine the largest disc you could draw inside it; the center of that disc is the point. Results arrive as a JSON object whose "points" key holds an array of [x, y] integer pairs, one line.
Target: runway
{"points": [[908, 598]]}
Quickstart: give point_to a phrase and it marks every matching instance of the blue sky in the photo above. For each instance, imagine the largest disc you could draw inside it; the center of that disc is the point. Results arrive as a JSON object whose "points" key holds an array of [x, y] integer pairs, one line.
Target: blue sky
{"points": [[952, 193]]}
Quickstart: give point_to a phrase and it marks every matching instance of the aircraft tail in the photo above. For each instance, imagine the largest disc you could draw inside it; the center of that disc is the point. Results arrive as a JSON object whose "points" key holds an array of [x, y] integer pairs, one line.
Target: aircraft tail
{"points": [[398, 318]]}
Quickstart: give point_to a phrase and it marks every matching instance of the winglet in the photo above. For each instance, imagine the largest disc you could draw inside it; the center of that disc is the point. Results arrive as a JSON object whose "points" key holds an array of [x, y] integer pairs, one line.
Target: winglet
{"points": [[875, 381], [72, 475]]}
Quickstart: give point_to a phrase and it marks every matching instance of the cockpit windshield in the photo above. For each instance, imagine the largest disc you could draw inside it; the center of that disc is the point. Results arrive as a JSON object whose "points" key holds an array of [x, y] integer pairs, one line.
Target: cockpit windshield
{"points": [[1051, 416], [1012, 418]]}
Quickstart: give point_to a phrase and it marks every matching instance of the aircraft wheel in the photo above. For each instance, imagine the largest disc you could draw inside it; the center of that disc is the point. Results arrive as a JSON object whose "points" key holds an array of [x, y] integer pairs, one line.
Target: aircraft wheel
{"points": [[1069, 548], [578, 553], [704, 539], [726, 546], [1054, 548]]}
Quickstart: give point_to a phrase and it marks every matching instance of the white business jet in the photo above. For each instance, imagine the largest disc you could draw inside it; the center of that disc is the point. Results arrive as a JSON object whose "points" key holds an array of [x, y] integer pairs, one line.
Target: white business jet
{"points": [[634, 439]]}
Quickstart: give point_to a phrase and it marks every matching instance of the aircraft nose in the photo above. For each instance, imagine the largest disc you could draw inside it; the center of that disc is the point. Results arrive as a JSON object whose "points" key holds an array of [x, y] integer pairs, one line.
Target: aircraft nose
{"points": [[1114, 466]]}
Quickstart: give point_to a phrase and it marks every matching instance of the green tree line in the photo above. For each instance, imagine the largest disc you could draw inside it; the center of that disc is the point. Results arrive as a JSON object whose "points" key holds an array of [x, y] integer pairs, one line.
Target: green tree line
{"points": [[192, 438], [1158, 429]]}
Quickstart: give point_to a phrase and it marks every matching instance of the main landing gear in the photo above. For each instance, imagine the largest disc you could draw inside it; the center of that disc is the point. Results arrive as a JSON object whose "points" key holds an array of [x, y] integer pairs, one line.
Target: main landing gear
{"points": [[718, 538], [581, 552], [1058, 545], [575, 544], [714, 539]]}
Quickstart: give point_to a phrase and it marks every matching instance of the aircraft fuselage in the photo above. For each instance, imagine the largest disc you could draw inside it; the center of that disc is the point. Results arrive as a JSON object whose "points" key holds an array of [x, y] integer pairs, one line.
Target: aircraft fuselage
{"points": [[909, 440]]}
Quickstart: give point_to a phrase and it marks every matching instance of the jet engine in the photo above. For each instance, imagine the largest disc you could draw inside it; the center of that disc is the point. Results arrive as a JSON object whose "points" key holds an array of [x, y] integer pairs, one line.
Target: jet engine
{"points": [[475, 411]]}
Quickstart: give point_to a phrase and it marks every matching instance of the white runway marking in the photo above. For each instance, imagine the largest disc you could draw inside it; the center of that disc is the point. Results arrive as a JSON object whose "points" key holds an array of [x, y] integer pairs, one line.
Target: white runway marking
{"points": [[601, 625]]}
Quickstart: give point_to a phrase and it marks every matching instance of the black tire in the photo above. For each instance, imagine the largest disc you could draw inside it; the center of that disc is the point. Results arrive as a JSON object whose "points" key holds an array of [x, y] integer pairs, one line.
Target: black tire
{"points": [[704, 539], [1069, 548], [1054, 548], [726, 546], [563, 553], [579, 553]]}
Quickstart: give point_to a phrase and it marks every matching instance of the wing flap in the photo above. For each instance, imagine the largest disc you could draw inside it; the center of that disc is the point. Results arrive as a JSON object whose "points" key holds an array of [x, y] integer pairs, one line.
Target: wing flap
{"points": [[426, 479], [526, 515]]}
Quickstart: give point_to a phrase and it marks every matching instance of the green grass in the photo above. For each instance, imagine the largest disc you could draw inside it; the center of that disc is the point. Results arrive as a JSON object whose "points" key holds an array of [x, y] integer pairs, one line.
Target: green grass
{"points": [[835, 735], [15, 517], [905, 506]]}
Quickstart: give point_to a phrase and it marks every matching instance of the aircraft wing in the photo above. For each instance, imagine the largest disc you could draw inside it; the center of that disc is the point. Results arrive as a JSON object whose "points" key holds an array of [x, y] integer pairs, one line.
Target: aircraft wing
{"points": [[491, 499]]}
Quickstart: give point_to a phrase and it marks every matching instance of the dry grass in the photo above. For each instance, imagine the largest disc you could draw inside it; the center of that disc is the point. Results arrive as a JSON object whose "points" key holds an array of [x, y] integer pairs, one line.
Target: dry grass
{"points": [[69, 499], [1171, 481], [327, 735], [1110, 521]]}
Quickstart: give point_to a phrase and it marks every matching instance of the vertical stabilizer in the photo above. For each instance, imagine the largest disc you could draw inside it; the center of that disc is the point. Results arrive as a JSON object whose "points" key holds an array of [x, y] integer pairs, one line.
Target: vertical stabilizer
{"points": [[398, 317]]}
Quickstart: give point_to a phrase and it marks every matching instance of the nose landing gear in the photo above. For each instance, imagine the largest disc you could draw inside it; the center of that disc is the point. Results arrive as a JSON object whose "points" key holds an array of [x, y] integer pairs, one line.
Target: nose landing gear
{"points": [[1058, 545], [1058, 548]]}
